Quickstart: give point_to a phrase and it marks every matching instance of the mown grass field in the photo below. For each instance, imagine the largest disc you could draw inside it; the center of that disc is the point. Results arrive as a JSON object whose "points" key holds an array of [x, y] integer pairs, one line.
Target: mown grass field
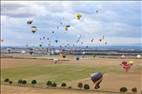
{"points": [[54, 72], [57, 72], [72, 72]]}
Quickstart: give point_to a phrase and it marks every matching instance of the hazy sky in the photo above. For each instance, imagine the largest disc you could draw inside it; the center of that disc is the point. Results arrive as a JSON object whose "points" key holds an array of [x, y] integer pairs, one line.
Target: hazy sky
{"points": [[118, 21]]}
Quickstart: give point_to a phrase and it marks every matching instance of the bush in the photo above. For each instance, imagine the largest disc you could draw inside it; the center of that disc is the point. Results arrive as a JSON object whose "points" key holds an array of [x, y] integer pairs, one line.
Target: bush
{"points": [[94, 56], [63, 84], [134, 90], [54, 84], [33, 82], [20, 81], [6, 80], [10, 82], [69, 87], [123, 89], [77, 58], [30, 53], [86, 86], [49, 83], [80, 85], [64, 56], [24, 82]]}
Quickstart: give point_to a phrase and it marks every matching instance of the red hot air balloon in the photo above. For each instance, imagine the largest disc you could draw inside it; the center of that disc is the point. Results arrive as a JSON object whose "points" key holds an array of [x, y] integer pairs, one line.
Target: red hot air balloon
{"points": [[126, 66]]}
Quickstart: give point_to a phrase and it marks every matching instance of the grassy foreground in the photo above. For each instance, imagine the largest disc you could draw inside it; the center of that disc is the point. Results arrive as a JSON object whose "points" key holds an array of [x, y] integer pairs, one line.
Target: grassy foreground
{"points": [[55, 72]]}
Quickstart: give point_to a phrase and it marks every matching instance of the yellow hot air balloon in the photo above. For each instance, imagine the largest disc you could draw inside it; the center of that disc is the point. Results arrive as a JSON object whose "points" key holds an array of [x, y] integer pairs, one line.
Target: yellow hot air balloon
{"points": [[78, 16], [34, 29], [131, 62], [66, 28]]}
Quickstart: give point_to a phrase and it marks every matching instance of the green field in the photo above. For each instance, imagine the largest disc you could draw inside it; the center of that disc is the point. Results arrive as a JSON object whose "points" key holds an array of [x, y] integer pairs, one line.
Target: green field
{"points": [[69, 72], [55, 72]]}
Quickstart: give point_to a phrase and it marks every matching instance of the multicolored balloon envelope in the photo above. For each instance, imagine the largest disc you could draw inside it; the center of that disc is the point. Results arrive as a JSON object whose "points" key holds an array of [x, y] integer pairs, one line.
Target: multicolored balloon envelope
{"points": [[96, 76]]}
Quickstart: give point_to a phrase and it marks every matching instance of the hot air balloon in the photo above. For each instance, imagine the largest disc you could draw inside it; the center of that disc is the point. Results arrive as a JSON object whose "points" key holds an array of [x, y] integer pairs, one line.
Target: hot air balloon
{"points": [[53, 32], [126, 66], [40, 45], [131, 62], [34, 29], [97, 79], [92, 39], [43, 37], [103, 37], [124, 62], [29, 22], [47, 38], [97, 11], [78, 16], [77, 40], [100, 40], [57, 27], [66, 27], [56, 41], [86, 46]]}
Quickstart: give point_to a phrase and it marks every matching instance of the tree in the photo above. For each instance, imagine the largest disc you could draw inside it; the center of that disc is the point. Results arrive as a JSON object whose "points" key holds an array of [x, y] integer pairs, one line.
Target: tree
{"points": [[54, 84], [123, 89], [63, 84], [64, 56], [10, 82], [6, 80], [86, 86], [134, 90], [94, 56], [24, 82], [33, 82], [69, 87], [20, 81], [49, 83], [80, 85]]}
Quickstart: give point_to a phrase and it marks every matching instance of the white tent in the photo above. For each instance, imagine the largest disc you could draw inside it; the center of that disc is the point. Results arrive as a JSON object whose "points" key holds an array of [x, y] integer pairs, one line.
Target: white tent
{"points": [[138, 56], [123, 56]]}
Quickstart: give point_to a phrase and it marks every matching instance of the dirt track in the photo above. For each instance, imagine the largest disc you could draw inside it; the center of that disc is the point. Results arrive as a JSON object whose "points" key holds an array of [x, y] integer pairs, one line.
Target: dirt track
{"points": [[27, 90]]}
